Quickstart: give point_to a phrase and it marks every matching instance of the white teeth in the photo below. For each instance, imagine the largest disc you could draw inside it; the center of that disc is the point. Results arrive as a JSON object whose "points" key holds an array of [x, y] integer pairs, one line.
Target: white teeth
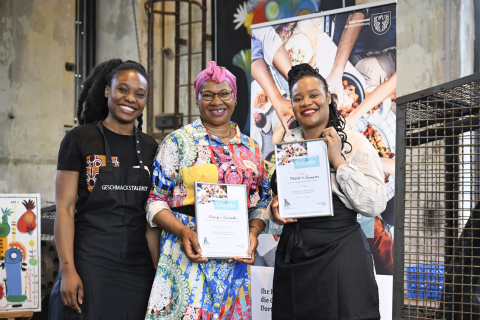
{"points": [[309, 112], [127, 108], [218, 111]]}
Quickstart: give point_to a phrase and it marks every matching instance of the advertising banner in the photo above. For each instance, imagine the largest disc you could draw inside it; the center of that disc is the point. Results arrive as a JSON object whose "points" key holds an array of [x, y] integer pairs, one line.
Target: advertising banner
{"points": [[355, 51], [233, 20]]}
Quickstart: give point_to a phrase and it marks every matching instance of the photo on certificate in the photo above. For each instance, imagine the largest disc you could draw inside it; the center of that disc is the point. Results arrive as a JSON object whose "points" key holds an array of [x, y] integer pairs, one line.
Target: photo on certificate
{"points": [[303, 179], [289, 151], [221, 215], [208, 193]]}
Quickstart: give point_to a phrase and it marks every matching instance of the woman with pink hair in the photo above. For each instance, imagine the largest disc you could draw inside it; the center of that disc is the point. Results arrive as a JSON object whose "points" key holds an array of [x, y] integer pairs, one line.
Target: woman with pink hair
{"points": [[211, 149]]}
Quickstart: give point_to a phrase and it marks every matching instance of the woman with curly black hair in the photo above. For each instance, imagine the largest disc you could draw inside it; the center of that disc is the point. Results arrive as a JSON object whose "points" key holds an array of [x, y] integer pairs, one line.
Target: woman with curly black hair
{"points": [[103, 181], [323, 265]]}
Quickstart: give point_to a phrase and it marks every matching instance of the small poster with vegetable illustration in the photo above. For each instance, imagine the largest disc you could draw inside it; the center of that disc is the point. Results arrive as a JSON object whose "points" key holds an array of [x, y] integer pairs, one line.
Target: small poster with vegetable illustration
{"points": [[20, 252]]}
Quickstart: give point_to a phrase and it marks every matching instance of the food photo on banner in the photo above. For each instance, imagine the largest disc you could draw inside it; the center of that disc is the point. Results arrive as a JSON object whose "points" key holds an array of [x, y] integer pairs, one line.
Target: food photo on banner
{"points": [[236, 18], [356, 53]]}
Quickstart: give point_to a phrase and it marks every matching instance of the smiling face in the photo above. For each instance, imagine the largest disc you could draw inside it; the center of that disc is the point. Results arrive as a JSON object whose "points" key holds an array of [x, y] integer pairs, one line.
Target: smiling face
{"points": [[127, 96], [310, 102], [215, 112]]}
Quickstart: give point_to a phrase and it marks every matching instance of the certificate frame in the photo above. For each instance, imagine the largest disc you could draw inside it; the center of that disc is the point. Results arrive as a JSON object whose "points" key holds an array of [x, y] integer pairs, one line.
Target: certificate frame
{"points": [[203, 212], [318, 148]]}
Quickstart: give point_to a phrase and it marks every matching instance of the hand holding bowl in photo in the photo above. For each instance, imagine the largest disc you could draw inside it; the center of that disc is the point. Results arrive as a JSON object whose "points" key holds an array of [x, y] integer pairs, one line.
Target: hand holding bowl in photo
{"points": [[353, 94], [299, 48]]}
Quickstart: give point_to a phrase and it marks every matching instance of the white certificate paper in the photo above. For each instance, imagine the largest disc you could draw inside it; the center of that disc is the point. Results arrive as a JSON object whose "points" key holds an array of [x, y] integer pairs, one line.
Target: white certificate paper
{"points": [[303, 179], [221, 214]]}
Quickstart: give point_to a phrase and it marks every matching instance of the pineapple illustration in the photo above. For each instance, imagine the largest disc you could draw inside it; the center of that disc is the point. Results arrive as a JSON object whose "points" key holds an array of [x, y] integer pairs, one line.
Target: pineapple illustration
{"points": [[28, 221]]}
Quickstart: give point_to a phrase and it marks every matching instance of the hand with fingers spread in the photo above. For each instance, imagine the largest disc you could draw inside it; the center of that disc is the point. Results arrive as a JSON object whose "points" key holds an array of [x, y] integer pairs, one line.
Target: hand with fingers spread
{"points": [[191, 247], [334, 144], [276, 213], [71, 290]]}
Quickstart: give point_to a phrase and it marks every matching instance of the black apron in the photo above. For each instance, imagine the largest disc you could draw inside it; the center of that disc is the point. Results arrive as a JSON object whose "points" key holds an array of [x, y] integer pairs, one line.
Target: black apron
{"points": [[324, 270], [110, 248]]}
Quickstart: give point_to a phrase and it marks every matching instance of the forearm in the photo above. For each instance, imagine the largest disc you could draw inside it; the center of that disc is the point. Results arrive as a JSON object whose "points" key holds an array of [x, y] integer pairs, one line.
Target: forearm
{"points": [[388, 165], [168, 222], [378, 95], [64, 239], [337, 162], [265, 80], [258, 225], [153, 239], [345, 46], [282, 61]]}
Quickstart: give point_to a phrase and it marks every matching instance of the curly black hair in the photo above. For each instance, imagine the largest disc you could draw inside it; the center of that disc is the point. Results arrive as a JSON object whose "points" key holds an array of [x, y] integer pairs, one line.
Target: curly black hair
{"points": [[335, 119], [92, 103]]}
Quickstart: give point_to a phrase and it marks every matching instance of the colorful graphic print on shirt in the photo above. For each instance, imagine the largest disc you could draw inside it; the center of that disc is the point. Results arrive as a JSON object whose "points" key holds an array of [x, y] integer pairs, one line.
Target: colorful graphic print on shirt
{"points": [[238, 162], [94, 162]]}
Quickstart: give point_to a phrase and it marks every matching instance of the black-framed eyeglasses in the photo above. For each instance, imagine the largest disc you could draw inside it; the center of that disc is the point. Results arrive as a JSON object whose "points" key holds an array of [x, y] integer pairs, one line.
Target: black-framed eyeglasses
{"points": [[222, 95]]}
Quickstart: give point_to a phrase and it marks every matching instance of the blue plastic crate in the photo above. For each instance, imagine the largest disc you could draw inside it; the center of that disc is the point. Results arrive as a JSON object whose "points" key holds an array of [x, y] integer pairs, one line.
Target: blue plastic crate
{"points": [[425, 281]]}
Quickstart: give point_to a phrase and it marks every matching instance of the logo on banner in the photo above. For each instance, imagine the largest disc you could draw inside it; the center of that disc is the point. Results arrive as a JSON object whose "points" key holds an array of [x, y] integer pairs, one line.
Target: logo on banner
{"points": [[381, 22]]}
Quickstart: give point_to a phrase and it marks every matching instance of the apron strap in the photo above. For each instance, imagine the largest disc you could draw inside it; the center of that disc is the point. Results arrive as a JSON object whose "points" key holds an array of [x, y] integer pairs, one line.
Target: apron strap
{"points": [[137, 148], [108, 153]]}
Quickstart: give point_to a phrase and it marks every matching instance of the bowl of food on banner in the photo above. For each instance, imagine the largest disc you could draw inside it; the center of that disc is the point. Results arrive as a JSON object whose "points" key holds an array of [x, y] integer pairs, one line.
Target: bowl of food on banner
{"points": [[353, 94]]}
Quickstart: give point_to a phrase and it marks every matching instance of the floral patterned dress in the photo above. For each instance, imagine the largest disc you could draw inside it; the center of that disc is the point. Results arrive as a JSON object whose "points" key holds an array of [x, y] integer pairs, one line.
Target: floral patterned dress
{"points": [[215, 289]]}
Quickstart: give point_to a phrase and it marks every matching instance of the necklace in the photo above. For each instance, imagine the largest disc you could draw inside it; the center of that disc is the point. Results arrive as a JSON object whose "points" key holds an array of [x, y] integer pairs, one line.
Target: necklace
{"points": [[223, 137]]}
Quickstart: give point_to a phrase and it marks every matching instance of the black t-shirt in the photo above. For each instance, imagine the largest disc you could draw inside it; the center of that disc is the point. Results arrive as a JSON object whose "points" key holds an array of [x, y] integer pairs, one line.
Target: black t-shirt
{"points": [[83, 150]]}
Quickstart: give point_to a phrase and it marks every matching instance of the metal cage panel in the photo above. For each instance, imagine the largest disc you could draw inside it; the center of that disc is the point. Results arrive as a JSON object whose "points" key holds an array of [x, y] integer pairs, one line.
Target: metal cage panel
{"points": [[437, 248]]}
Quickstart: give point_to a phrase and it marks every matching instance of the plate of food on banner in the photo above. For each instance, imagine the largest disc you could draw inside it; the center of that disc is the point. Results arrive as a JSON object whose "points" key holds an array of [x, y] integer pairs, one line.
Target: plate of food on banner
{"points": [[260, 101], [378, 113], [299, 48], [379, 141]]}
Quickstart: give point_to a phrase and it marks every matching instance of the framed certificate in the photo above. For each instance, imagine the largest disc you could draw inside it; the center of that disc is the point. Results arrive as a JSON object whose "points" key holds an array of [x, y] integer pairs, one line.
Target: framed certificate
{"points": [[303, 179], [221, 213]]}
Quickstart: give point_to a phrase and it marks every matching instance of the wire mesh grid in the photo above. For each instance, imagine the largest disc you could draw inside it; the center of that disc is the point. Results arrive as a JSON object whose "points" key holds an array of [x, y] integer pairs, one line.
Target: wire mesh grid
{"points": [[441, 221]]}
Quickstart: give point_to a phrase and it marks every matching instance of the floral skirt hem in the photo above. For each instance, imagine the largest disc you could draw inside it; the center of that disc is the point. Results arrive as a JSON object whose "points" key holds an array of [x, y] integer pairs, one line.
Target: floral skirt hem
{"points": [[190, 291]]}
